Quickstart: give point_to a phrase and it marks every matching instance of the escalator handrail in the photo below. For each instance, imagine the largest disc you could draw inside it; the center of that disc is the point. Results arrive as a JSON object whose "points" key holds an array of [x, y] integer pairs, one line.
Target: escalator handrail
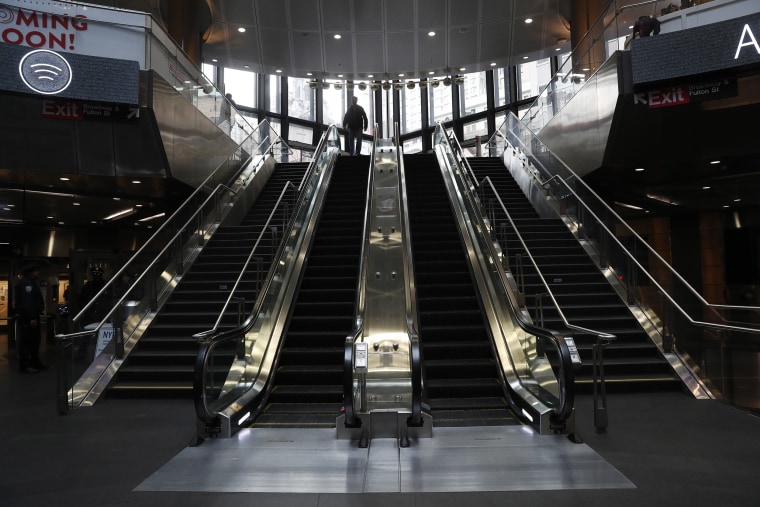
{"points": [[208, 343], [651, 252], [565, 378], [352, 420], [415, 349]]}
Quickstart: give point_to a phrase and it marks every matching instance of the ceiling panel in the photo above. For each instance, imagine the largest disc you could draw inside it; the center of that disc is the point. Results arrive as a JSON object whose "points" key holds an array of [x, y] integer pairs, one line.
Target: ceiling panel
{"points": [[271, 14], [339, 55], [368, 16], [307, 51], [275, 46], [336, 15], [237, 12], [495, 40], [399, 15], [498, 10], [370, 53], [430, 14], [463, 12], [431, 51], [528, 37], [401, 54], [463, 45], [304, 15]]}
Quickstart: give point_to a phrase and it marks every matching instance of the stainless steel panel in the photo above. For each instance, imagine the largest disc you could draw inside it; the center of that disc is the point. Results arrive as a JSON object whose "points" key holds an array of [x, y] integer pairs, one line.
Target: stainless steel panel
{"points": [[457, 459]]}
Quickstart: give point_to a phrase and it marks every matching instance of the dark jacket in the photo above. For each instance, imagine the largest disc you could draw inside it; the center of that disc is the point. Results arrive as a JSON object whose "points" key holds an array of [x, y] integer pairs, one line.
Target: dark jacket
{"points": [[28, 302], [355, 118]]}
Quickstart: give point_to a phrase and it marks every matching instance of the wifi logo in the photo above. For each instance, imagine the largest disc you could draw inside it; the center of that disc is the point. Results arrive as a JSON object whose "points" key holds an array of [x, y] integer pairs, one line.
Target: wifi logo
{"points": [[45, 71]]}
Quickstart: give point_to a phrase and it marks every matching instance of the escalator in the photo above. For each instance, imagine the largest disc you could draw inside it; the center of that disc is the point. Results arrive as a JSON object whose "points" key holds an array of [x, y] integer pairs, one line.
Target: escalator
{"points": [[162, 362], [462, 378], [307, 389], [632, 362]]}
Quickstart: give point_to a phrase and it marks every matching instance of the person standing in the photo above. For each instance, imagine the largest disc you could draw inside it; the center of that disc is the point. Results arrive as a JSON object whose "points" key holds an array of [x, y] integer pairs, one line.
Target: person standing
{"points": [[28, 305], [355, 122]]}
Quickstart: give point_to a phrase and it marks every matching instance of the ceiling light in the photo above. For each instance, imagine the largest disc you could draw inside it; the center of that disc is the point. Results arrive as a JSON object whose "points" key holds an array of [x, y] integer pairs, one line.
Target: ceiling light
{"points": [[493, 64], [214, 60], [462, 69], [337, 36], [246, 66], [146, 219], [431, 33], [278, 71], [525, 57], [136, 182], [63, 178], [557, 49], [401, 75], [528, 21], [629, 206], [714, 162], [120, 214], [370, 75], [706, 188], [340, 75], [431, 73], [241, 29], [309, 74], [639, 169], [76, 203]]}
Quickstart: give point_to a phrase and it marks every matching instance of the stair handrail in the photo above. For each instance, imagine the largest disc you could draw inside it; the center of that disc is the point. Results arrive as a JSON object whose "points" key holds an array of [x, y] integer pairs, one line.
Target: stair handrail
{"points": [[221, 421], [323, 143], [619, 221], [203, 217], [567, 359], [289, 186]]}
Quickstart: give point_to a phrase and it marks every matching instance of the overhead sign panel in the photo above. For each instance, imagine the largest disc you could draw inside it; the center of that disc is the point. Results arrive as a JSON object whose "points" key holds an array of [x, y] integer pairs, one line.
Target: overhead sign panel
{"points": [[732, 44], [68, 75]]}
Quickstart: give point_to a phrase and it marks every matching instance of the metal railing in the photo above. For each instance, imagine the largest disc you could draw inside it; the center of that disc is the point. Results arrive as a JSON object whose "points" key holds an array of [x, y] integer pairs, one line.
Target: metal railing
{"points": [[161, 262]]}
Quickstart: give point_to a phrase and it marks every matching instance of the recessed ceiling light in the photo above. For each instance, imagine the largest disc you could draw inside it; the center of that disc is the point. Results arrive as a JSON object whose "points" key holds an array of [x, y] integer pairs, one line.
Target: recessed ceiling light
{"points": [[117, 198], [340, 75], [431, 73], [401, 75], [462, 69], [639, 169], [706, 188], [528, 20], [136, 182], [278, 71], [246, 66], [370, 75], [337, 36], [146, 219], [493, 64], [431, 33], [309, 74], [76, 204], [714, 162], [50, 217], [525, 57], [63, 178], [241, 29], [737, 200], [557, 49], [214, 60]]}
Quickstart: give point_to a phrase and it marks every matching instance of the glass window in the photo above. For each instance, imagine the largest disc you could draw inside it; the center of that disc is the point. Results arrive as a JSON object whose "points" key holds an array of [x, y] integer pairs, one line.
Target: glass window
{"points": [[501, 85], [439, 101], [242, 85], [411, 109], [364, 99], [473, 94], [210, 72], [301, 99], [475, 129], [533, 76], [333, 102], [413, 145], [275, 91], [300, 134]]}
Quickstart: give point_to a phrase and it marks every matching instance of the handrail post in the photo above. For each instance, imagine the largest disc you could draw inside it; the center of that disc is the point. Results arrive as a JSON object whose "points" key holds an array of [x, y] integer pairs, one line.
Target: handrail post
{"points": [[600, 394], [63, 352]]}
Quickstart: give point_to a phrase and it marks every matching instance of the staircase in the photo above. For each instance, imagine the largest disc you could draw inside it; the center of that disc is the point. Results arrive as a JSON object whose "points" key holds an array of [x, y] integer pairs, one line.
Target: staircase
{"points": [[162, 363], [461, 375], [632, 362], [308, 382]]}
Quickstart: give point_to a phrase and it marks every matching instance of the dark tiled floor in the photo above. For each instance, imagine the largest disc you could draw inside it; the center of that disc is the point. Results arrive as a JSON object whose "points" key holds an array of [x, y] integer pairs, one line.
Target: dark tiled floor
{"points": [[676, 450]]}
